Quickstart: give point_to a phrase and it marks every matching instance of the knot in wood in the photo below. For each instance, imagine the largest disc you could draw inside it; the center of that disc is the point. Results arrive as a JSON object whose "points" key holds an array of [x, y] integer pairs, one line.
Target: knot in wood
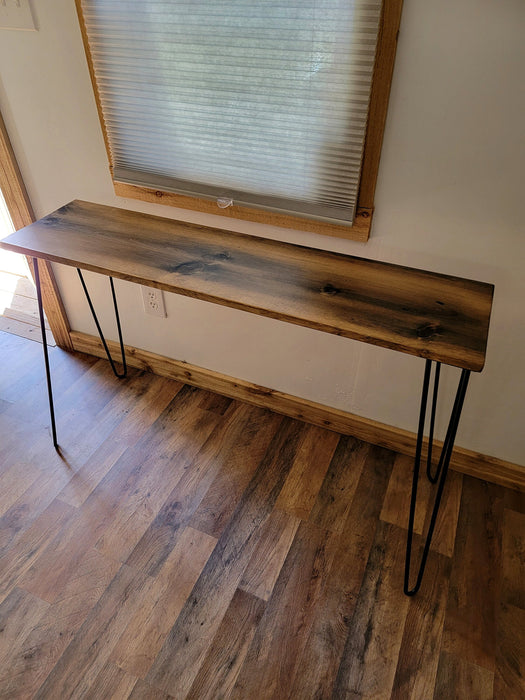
{"points": [[330, 290], [189, 268], [225, 255], [428, 330]]}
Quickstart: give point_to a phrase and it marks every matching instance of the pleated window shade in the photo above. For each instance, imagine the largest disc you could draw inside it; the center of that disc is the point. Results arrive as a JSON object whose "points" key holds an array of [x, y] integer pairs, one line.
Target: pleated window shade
{"points": [[263, 102]]}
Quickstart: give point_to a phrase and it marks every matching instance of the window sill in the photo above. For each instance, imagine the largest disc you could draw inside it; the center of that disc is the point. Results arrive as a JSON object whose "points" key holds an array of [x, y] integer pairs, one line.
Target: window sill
{"points": [[359, 231]]}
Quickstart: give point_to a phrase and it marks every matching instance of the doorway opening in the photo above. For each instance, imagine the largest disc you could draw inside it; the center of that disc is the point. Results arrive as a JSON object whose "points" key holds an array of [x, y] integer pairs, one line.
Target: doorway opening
{"points": [[18, 300]]}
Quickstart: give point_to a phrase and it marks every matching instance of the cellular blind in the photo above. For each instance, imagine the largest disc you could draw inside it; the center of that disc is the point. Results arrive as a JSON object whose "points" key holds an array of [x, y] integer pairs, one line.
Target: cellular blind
{"points": [[263, 102]]}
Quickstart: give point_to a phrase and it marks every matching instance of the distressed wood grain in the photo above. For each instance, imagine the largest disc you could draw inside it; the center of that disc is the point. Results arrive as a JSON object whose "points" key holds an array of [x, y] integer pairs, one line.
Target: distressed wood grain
{"points": [[226, 655], [458, 679], [470, 629], [181, 656], [328, 618], [369, 660], [421, 313]]}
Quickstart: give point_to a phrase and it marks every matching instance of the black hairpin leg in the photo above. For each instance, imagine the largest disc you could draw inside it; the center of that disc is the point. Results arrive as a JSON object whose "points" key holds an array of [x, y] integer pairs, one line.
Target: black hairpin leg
{"points": [[46, 354], [122, 374], [433, 477], [442, 469]]}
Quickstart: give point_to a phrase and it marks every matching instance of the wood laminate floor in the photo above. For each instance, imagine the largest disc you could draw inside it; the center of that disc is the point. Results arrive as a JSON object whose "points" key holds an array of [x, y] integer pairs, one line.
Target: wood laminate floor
{"points": [[190, 546]]}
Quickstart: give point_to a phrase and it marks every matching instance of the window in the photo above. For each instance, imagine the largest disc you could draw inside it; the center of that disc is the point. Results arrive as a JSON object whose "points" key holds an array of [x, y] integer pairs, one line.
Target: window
{"points": [[256, 109]]}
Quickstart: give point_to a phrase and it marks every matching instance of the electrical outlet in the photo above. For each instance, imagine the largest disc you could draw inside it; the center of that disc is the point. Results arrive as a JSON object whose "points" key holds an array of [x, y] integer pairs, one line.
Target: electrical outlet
{"points": [[153, 301], [16, 14]]}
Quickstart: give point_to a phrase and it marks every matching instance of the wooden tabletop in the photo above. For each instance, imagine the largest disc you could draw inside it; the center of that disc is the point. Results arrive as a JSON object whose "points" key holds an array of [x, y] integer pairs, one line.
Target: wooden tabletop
{"points": [[422, 313]]}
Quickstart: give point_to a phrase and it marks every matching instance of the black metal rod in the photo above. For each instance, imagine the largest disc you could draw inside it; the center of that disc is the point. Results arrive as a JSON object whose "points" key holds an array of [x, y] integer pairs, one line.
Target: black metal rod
{"points": [[117, 318], [122, 374], [442, 471], [46, 354], [433, 477], [417, 462]]}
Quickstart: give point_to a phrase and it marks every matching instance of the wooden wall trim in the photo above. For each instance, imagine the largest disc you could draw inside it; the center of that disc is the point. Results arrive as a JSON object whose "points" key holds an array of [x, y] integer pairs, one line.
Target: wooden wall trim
{"points": [[359, 231], [465, 461], [381, 84], [96, 92], [21, 212]]}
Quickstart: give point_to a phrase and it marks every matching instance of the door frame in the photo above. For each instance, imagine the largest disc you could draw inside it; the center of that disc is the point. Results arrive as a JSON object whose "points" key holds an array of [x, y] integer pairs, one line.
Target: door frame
{"points": [[21, 212]]}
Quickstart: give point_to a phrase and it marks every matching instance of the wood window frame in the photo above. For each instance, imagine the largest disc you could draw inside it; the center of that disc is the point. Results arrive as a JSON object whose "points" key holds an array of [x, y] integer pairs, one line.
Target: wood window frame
{"points": [[21, 213], [360, 230]]}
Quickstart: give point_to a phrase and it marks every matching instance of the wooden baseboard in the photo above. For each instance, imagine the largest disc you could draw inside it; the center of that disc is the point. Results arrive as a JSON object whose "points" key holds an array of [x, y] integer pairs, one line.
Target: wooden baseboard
{"points": [[465, 461]]}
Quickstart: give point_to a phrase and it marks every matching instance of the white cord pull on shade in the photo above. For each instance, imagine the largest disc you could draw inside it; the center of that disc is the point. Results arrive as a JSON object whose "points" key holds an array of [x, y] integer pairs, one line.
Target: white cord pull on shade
{"points": [[263, 102]]}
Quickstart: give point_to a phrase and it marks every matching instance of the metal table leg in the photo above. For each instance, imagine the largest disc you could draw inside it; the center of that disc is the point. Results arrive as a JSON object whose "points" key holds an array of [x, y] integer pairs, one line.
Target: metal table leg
{"points": [[442, 468], [119, 375], [46, 355]]}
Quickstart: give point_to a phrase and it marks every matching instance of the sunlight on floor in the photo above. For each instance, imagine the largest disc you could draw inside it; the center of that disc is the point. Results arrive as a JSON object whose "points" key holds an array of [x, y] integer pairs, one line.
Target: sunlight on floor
{"points": [[8, 285]]}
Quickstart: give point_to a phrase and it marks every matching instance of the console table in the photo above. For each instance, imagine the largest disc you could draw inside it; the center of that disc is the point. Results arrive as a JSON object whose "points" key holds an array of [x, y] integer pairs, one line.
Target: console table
{"points": [[441, 318]]}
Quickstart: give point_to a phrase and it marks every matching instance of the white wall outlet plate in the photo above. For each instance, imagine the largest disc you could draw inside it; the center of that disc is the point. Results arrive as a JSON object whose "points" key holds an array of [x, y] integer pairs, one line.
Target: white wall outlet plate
{"points": [[16, 14], [153, 301]]}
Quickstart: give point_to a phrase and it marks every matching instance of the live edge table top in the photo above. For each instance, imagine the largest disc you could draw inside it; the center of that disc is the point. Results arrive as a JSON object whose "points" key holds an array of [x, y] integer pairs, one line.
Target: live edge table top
{"points": [[421, 313]]}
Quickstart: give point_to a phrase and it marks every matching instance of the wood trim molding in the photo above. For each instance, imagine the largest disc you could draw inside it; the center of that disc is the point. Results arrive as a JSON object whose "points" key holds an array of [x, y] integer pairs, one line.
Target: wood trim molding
{"points": [[465, 461], [96, 92], [381, 83], [21, 212], [11, 183], [359, 231]]}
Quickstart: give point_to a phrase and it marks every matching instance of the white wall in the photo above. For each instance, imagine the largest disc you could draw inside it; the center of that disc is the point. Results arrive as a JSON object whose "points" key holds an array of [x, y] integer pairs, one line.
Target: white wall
{"points": [[449, 198]]}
